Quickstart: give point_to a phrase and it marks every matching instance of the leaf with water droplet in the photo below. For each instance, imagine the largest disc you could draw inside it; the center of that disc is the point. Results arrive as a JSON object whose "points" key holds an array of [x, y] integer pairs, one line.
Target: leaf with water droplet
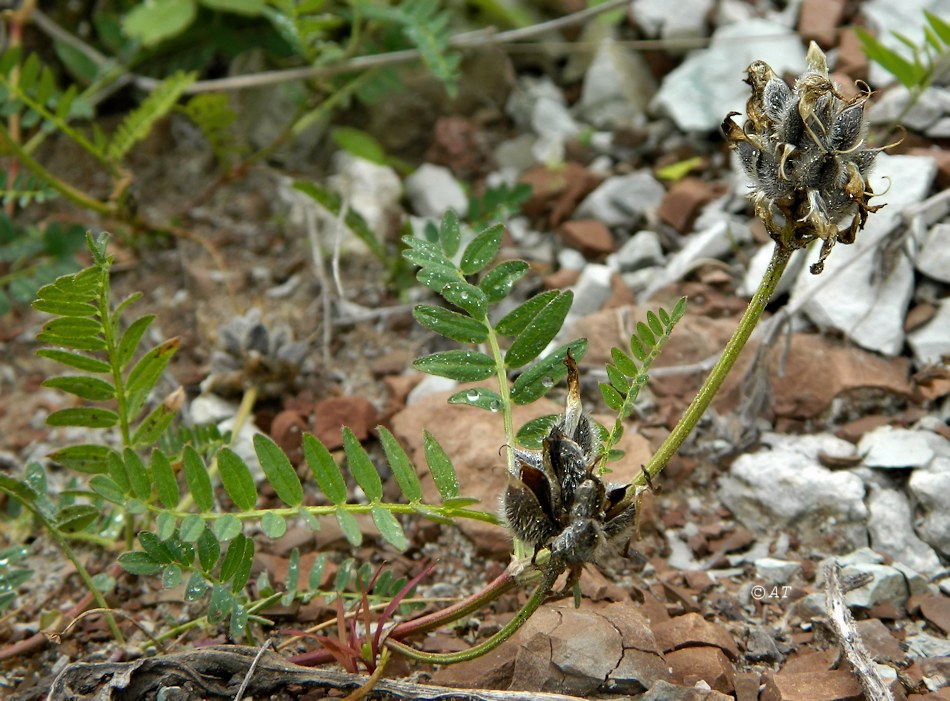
{"points": [[451, 324], [482, 249], [530, 384], [467, 297], [464, 366], [480, 397]]}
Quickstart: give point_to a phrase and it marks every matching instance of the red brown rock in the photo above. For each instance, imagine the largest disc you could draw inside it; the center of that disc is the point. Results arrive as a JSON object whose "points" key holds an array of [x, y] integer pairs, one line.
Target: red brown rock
{"points": [[331, 415], [818, 21], [287, 430], [589, 236], [707, 664], [746, 685], [879, 642], [691, 630], [561, 279], [831, 685], [556, 192], [683, 201], [936, 609]]}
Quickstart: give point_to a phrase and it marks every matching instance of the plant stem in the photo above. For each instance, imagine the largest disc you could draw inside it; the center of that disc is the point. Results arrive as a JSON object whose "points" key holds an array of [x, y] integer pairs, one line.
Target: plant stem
{"points": [[702, 400], [532, 605], [505, 394], [68, 191]]}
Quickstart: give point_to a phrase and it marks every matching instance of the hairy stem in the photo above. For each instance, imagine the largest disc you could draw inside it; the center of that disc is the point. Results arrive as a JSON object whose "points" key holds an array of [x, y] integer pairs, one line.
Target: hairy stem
{"points": [[702, 400], [532, 605]]}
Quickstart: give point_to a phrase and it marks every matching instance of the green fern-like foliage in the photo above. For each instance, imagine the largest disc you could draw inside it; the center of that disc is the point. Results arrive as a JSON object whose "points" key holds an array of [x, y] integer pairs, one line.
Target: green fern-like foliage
{"points": [[138, 123], [462, 277], [31, 92], [33, 256], [191, 523], [629, 370], [212, 114], [426, 27], [928, 62]]}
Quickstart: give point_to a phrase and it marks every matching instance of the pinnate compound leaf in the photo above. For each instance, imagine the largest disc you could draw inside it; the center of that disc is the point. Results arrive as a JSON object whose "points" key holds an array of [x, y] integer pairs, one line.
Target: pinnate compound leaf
{"points": [[537, 380], [940, 27], [107, 489], [401, 466], [227, 527], [93, 389], [157, 421], [197, 479], [624, 362], [146, 373], [515, 321], [611, 397], [350, 526], [389, 527], [242, 570], [87, 458], [237, 479], [293, 576], [75, 517], [535, 337], [449, 233], [443, 473], [361, 466], [467, 297], [450, 324], [278, 470], [191, 528], [209, 550], [139, 479], [498, 282], [164, 477], [131, 338], [74, 360], [153, 22], [88, 417], [479, 397], [436, 278], [139, 563], [273, 525], [533, 433], [482, 250], [461, 365], [325, 470]]}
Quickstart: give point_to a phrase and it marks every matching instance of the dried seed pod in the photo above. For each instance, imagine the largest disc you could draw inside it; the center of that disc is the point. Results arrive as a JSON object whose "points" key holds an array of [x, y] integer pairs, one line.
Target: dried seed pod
{"points": [[803, 148], [556, 501]]}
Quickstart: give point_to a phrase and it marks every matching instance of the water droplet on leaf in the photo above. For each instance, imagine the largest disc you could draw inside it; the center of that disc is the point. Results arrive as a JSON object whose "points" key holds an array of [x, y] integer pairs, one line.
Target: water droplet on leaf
{"points": [[547, 382], [472, 395]]}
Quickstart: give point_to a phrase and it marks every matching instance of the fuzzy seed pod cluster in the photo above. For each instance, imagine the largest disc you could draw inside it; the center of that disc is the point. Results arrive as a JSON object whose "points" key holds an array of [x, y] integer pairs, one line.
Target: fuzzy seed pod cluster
{"points": [[557, 501], [804, 149]]}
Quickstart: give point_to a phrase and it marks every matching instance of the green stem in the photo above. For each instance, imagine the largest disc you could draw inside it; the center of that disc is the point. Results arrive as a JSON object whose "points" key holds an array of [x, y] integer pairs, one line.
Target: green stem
{"points": [[65, 189], [707, 392], [504, 392], [64, 546], [532, 605]]}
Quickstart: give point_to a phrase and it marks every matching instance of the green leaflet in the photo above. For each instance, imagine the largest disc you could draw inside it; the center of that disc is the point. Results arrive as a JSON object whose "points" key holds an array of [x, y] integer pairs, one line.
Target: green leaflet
{"points": [[450, 324], [278, 470], [539, 332], [464, 366], [361, 466], [197, 479], [443, 473], [325, 470], [237, 479], [401, 466]]}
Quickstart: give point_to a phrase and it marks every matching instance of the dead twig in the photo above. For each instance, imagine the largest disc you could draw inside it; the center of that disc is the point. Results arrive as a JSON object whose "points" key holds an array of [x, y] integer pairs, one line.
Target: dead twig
{"points": [[842, 624]]}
